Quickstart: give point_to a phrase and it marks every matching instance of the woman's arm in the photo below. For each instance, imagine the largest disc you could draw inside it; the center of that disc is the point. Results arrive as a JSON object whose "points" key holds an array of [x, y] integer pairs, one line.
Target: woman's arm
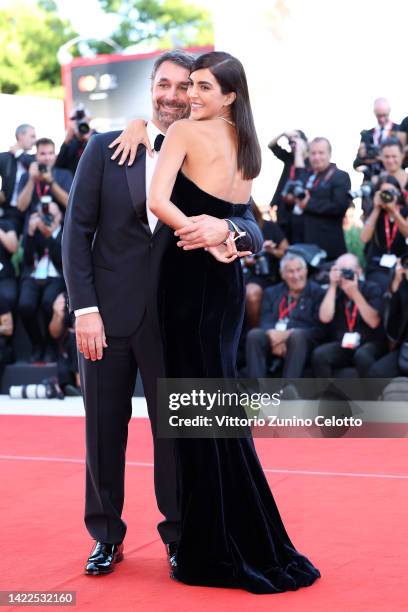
{"points": [[127, 142], [369, 226], [171, 158], [9, 240]]}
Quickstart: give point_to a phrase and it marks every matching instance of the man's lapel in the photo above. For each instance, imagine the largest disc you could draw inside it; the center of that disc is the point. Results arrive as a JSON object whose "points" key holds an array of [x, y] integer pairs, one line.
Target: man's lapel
{"points": [[136, 178]]}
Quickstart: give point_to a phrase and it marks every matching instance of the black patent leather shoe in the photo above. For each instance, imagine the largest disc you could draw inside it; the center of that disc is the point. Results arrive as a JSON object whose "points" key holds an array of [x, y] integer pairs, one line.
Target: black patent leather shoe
{"points": [[103, 558], [171, 550]]}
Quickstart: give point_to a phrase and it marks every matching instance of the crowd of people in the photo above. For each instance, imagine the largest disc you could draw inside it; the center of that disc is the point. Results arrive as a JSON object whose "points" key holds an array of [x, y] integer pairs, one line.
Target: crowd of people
{"points": [[33, 200], [334, 263], [328, 291]]}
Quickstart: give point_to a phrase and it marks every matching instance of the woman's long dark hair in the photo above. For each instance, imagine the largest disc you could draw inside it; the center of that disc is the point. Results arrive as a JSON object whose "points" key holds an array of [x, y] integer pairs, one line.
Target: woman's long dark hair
{"points": [[230, 75]]}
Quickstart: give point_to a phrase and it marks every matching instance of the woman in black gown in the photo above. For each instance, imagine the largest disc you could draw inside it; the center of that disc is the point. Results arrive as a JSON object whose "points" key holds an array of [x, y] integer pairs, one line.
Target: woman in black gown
{"points": [[232, 533]]}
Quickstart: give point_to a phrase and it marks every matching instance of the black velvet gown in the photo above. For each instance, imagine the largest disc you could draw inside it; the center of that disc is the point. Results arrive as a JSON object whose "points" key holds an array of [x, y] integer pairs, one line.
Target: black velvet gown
{"points": [[232, 533]]}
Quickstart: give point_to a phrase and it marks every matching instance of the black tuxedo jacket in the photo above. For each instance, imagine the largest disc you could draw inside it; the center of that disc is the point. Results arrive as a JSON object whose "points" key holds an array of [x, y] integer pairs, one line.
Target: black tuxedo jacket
{"points": [[8, 172], [110, 257]]}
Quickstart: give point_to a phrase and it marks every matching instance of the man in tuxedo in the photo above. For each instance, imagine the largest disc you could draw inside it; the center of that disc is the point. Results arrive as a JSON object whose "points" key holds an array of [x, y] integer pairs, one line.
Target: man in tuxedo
{"points": [[112, 250], [13, 164]]}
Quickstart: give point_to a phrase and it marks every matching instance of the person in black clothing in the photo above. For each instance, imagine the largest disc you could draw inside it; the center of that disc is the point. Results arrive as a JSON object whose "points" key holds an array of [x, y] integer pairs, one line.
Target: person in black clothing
{"points": [[13, 164], [62, 329], [262, 270], [392, 156], [76, 139], [290, 326], [326, 200], [8, 282], [403, 137], [353, 310], [298, 147], [396, 325], [368, 159], [385, 231], [42, 277], [43, 179]]}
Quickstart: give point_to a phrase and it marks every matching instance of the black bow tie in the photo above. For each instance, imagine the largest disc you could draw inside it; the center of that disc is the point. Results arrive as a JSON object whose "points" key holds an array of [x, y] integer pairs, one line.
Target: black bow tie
{"points": [[158, 141]]}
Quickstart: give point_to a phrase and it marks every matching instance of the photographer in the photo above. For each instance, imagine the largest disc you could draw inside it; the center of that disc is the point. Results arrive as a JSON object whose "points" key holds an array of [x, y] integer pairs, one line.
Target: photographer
{"points": [[386, 231], [6, 336], [298, 147], [262, 270], [392, 157], [395, 363], [352, 308], [8, 281], [368, 158], [43, 179], [289, 327], [62, 329], [403, 137], [323, 201], [76, 139], [42, 277], [13, 164]]}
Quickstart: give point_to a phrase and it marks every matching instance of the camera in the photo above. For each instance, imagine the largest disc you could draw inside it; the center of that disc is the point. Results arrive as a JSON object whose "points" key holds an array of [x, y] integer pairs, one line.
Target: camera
{"points": [[82, 125], [365, 191], [372, 150], [42, 168], [47, 389], [295, 188], [46, 216], [347, 273], [387, 195]]}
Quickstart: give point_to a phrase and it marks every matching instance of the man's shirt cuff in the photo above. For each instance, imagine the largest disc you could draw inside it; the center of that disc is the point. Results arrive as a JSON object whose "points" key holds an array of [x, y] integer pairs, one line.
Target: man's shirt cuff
{"points": [[82, 311]]}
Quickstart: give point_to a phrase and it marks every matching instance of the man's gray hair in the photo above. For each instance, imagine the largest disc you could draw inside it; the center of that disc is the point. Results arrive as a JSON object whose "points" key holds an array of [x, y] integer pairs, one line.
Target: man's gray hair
{"points": [[290, 257], [322, 139], [181, 58], [21, 129]]}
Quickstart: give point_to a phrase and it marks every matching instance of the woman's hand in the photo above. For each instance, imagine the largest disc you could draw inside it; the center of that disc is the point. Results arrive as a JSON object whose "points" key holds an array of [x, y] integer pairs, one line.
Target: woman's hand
{"points": [[128, 141], [227, 252]]}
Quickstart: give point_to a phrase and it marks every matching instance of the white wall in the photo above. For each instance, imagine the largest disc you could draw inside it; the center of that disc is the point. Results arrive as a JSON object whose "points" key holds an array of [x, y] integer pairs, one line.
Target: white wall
{"points": [[316, 65], [45, 114]]}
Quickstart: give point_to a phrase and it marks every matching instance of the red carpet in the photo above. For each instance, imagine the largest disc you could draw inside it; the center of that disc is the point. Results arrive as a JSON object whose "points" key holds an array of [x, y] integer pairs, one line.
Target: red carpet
{"points": [[352, 526]]}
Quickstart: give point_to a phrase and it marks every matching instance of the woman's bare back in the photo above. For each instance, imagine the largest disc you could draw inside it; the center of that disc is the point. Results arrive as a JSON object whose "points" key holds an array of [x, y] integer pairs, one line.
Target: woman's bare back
{"points": [[211, 160]]}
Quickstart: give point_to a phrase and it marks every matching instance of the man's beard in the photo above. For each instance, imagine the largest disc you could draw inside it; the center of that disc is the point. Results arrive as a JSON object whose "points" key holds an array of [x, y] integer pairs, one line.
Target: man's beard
{"points": [[166, 118]]}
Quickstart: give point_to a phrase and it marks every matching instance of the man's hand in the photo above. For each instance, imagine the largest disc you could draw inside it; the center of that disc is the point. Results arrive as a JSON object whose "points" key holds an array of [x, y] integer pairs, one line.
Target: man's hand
{"points": [[350, 287], [47, 176], [334, 276], [269, 246], [278, 340], [2, 197], [302, 203], [48, 230], [33, 172], [59, 305], [33, 222], [90, 335], [203, 231]]}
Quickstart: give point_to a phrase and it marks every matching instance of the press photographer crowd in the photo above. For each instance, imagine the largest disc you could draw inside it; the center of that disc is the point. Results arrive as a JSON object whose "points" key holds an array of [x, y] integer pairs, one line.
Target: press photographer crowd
{"points": [[326, 297]]}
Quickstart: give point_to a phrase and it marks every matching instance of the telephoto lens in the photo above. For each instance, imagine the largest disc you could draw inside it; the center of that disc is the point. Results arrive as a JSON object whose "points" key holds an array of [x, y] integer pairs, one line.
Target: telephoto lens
{"points": [[28, 391]]}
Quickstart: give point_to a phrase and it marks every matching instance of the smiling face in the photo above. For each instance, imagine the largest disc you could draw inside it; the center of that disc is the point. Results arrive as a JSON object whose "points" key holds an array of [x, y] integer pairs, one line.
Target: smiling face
{"points": [[392, 158], [294, 274], [169, 94], [206, 98]]}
